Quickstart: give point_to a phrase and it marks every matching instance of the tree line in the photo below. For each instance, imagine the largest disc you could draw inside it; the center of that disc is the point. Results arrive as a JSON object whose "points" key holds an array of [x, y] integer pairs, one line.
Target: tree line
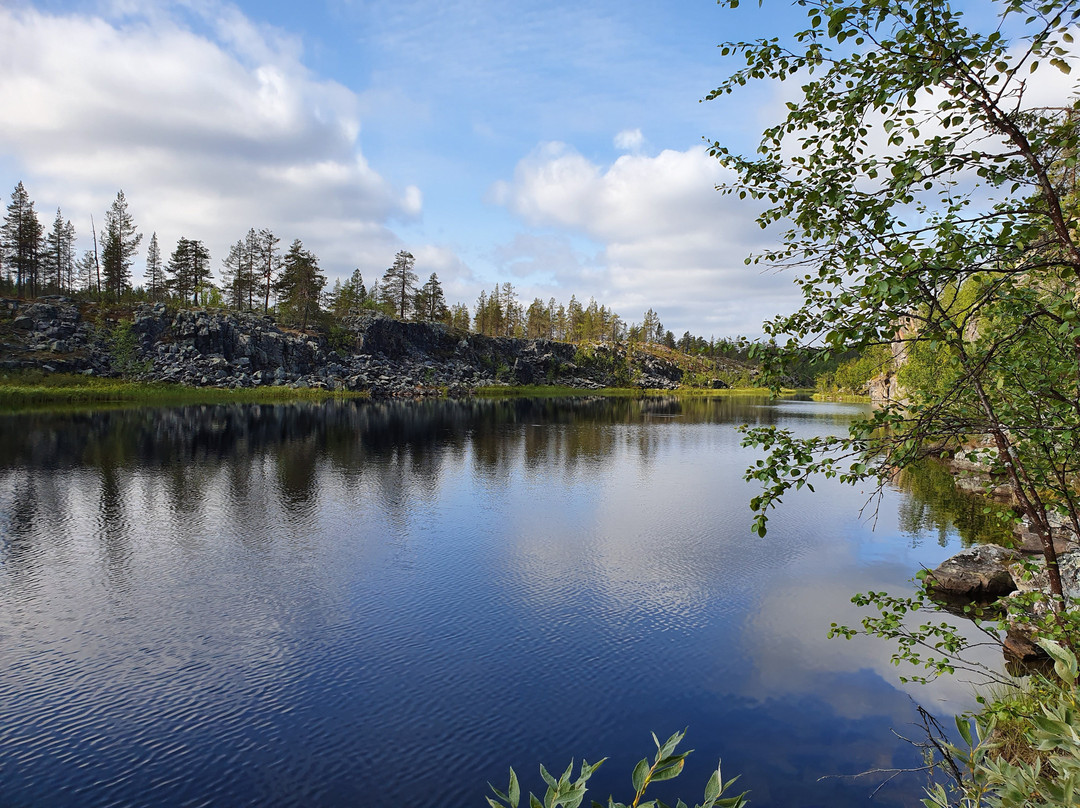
{"points": [[256, 276]]}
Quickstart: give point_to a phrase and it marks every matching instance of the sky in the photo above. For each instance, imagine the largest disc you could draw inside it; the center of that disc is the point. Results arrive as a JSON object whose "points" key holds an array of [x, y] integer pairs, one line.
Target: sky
{"points": [[560, 146]]}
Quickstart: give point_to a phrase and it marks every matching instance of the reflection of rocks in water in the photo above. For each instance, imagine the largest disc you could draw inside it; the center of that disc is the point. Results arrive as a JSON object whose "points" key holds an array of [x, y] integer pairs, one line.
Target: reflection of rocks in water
{"points": [[261, 462], [344, 430], [662, 406], [935, 505]]}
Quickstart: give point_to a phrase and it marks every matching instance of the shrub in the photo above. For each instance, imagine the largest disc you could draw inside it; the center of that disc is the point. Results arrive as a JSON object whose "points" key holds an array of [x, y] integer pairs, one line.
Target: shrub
{"points": [[563, 793]]}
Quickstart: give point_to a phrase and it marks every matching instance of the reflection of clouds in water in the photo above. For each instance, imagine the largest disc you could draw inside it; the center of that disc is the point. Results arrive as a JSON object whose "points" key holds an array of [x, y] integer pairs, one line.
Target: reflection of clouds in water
{"points": [[784, 635], [601, 573], [637, 538], [669, 548]]}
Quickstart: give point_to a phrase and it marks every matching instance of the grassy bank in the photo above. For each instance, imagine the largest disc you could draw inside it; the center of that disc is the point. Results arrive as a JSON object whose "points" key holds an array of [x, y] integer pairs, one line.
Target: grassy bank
{"points": [[849, 398], [30, 389], [544, 391]]}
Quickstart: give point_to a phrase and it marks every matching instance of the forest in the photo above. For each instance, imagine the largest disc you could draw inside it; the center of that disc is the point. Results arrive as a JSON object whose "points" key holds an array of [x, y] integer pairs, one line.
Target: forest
{"points": [[257, 275]]}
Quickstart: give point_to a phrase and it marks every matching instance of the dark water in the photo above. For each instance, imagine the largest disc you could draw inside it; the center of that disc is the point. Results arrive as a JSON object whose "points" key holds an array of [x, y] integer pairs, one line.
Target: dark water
{"points": [[389, 604]]}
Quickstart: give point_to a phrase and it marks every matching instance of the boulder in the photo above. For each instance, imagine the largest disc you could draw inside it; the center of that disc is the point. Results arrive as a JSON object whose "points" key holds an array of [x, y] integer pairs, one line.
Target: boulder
{"points": [[978, 573], [1018, 645]]}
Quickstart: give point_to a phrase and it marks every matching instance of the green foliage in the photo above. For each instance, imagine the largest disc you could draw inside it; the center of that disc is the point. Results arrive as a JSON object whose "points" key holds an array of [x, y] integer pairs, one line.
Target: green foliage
{"points": [[954, 242], [189, 269], [124, 348], [299, 285], [666, 764], [35, 389], [1051, 779], [340, 339], [928, 647], [118, 244], [399, 285], [854, 375]]}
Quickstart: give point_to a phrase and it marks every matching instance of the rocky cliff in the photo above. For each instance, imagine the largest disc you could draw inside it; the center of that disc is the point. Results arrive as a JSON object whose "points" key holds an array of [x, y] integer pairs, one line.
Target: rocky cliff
{"points": [[374, 353]]}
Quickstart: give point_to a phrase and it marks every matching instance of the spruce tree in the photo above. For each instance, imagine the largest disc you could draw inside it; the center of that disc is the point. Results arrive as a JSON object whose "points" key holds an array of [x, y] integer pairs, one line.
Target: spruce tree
{"points": [[155, 271], [119, 243], [430, 302], [235, 275], [58, 262], [86, 271], [189, 267], [22, 240], [299, 285]]}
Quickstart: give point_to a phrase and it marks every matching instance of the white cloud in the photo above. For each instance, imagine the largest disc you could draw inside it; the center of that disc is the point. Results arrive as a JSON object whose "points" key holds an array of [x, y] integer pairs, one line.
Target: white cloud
{"points": [[669, 239], [630, 140], [208, 134]]}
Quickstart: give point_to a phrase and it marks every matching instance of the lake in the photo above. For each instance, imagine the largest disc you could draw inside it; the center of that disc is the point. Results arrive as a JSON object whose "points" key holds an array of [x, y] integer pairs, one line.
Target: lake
{"points": [[386, 603]]}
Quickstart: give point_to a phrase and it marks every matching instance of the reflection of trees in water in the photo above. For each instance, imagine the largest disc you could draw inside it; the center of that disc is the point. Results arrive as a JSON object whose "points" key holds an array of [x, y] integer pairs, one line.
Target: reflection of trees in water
{"points": [[252, 468], [935, 505], [113, 521], [18, 520]]}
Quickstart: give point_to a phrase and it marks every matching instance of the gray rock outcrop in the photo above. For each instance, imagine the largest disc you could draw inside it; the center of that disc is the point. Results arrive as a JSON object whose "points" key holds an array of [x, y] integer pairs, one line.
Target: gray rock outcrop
{"points": [[977, 573], [370, 352]]}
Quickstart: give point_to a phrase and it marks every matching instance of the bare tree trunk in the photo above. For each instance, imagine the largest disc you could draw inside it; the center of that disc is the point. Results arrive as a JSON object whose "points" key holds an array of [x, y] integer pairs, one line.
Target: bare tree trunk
{"points": [[97, 263]]}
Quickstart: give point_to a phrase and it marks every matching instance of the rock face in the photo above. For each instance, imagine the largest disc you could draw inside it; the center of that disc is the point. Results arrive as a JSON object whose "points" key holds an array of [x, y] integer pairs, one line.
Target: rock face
{"points": [[1068, 568], [374, 353], [978, 573]]}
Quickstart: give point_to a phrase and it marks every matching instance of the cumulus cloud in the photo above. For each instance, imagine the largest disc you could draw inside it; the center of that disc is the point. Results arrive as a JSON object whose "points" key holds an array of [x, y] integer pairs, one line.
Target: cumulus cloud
{"points": [[667, 238], [209, 122], [630, 140]]}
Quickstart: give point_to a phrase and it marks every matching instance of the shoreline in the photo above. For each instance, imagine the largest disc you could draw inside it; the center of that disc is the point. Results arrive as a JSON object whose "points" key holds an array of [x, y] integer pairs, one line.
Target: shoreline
{"points": [[33, 389]]}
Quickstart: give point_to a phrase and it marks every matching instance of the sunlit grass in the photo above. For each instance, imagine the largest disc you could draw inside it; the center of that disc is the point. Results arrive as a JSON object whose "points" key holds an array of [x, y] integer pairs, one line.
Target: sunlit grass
{"points": [[35, 389], [550, 391], [847, 398]]}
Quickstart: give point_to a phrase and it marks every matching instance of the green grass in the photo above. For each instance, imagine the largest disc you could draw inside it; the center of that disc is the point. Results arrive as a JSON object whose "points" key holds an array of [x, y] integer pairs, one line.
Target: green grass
{"points": [[842, 397], [541, 391], [549, 391], [735, 391], [33, 389]]}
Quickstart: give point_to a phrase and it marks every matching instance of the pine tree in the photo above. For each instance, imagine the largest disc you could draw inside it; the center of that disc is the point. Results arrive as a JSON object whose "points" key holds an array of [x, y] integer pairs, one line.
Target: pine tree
{"points": [[512, 315], [22, 240], [560, 325], [537, 320], [399, 284], [651, 328], [70, 269], [575, 319], [189, 267], [299, 285], [430, 302], [120, 241], [155, 271]]}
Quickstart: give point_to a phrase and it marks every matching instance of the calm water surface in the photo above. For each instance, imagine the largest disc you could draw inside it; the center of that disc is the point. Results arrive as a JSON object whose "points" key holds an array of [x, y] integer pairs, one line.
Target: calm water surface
{"points": [[389, 604]]}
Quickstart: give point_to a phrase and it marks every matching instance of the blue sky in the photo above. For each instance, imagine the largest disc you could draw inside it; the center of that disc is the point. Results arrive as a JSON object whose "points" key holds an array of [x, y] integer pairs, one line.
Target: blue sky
{"points": [[555, 145]]}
